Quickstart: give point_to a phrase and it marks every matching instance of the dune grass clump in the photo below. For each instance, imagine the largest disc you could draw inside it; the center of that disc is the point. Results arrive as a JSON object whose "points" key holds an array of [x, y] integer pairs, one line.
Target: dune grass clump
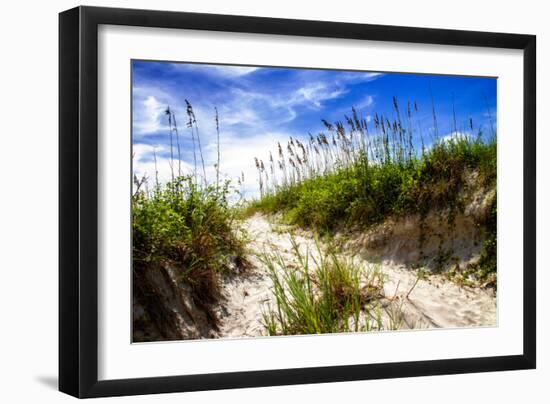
{"points": [[357, 174], [322, 293], [381, 168], [366, 192], [187, 225]]}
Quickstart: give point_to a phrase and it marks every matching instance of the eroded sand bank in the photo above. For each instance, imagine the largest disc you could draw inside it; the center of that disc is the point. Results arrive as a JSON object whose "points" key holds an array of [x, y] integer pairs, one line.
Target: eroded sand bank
{"points": [[434, 301]]}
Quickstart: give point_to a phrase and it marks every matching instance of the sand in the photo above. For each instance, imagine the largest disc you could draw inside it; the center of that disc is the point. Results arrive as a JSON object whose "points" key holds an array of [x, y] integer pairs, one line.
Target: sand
{"points": [[435, 301]]}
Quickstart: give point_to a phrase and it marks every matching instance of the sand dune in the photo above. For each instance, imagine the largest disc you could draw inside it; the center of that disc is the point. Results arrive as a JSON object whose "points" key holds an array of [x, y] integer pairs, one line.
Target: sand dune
{"points": [[433, 303]]}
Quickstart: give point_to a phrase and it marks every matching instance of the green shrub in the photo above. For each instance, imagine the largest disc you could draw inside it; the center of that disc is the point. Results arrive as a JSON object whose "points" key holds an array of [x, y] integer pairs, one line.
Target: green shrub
{"points": [[189, 228]]}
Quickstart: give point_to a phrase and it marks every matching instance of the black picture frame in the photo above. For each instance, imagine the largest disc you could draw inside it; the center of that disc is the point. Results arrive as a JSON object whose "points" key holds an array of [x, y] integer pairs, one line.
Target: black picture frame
{"points": [[78, 201]]}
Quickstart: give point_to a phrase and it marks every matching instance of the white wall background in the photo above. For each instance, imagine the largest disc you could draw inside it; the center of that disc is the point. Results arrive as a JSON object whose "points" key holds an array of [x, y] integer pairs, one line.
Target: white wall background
{"points": [[28, 200]]}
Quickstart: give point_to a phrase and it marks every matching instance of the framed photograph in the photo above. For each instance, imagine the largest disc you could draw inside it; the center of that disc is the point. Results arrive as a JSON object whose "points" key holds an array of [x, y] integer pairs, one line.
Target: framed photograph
{"points": [[251, 201]]}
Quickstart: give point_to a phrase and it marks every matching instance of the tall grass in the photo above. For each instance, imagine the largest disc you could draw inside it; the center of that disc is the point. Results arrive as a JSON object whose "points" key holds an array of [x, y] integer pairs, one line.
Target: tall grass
{"points": [[186, 224], [359, 173], [323, 293]]}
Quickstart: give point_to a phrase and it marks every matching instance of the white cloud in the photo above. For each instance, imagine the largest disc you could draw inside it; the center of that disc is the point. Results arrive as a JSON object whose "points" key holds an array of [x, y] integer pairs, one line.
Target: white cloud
{"points": [[234, 71], [258, 108], [218, 70], [144, 164], [358, 77], [455, 136], [149, 106], [451, 138], [315, 93], [368, 101], [142, 152], [237, 155], [253, 109], [243, 116], [150, 114]]}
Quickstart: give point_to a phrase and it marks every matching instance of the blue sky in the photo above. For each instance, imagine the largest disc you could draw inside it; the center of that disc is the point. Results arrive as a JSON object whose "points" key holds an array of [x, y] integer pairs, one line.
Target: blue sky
{"points": [[260, 106]]}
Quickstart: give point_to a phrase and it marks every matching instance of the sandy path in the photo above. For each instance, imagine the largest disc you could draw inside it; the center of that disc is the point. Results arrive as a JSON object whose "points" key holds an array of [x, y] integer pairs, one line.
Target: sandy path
{"points": [[434, 302], [246, 296]]}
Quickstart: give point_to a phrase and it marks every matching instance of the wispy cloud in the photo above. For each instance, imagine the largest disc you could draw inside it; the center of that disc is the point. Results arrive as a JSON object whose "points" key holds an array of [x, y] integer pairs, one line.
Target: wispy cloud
{"points": [[216, 70], [359, 77], [149, 112], [149, 106], [315, 94], [366, 102]]}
